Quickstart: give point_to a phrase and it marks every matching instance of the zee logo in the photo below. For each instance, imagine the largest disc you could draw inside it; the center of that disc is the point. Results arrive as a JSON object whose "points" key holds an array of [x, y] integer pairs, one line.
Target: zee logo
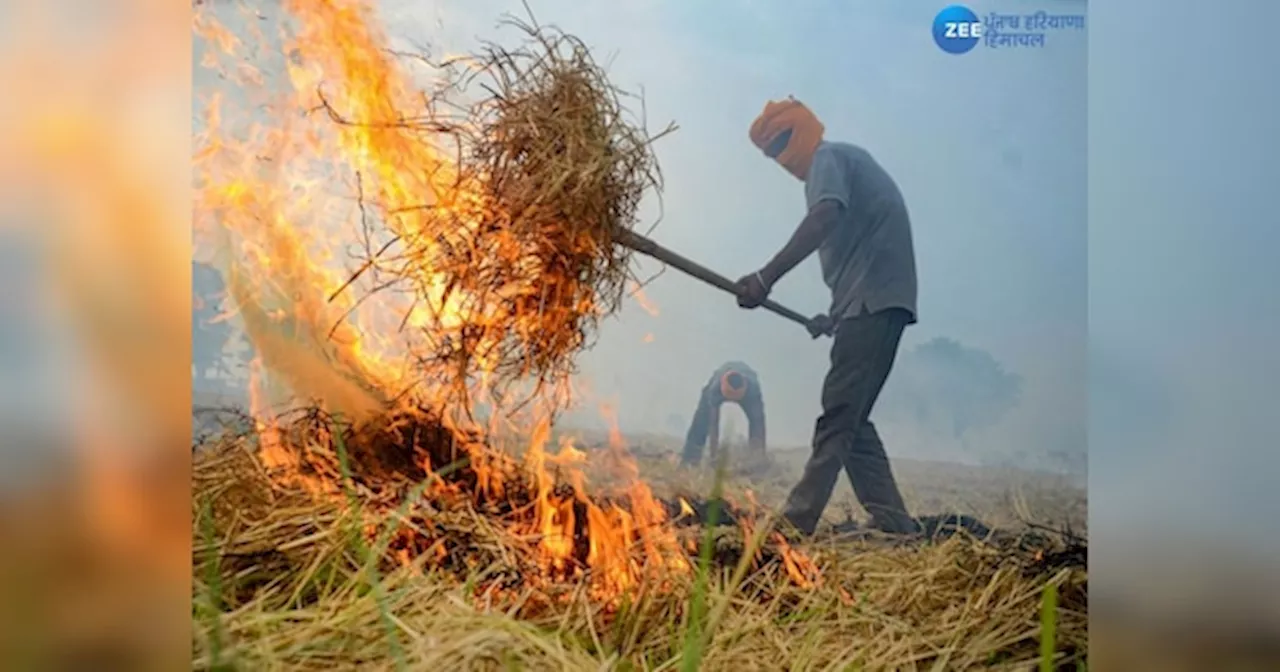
{"points": [[956, 29]]}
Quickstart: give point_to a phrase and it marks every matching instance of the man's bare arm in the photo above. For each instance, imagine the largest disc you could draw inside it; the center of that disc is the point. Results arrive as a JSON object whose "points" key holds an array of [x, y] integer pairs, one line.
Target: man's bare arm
{"points": [[814, 228]]}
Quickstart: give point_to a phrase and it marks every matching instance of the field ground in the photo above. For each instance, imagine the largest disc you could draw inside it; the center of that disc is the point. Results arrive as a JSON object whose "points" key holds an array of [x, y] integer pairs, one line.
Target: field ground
{"points": [[1001, 497], [278, 585]]}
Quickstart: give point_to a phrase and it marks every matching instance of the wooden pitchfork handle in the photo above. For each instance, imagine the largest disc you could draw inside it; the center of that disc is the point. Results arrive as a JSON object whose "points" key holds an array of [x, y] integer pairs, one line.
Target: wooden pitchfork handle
{"points": [[647, 247]]}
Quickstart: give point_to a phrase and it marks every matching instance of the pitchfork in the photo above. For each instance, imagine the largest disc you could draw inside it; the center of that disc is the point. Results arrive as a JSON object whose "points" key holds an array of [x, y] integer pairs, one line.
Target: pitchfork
{"points": [[647, 247]]}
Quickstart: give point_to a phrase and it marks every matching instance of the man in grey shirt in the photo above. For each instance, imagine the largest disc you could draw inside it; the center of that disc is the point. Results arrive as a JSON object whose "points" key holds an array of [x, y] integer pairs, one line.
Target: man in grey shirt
{"points": [[858, 223], [733, 382]]}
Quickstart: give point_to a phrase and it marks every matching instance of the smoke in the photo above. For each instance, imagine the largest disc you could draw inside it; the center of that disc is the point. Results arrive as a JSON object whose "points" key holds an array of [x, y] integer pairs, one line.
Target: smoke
{"points": [[220, 353]]}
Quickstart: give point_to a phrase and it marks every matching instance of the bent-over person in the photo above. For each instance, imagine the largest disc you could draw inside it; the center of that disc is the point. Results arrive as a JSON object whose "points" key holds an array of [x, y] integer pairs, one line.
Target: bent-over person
{"points": [[733, 382]]}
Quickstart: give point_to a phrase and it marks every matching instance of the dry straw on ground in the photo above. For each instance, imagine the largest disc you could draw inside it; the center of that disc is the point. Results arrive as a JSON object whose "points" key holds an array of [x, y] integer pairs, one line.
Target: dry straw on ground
{"points": [[285, 580]]}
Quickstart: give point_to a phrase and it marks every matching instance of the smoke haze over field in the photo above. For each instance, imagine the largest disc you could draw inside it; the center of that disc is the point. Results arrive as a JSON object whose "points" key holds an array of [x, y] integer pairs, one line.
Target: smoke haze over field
{"points": [[1183, 314]]}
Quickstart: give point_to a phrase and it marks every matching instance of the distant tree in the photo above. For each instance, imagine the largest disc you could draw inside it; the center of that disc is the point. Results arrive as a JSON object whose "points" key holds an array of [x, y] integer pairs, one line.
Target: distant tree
{"points": [[949, 388]]}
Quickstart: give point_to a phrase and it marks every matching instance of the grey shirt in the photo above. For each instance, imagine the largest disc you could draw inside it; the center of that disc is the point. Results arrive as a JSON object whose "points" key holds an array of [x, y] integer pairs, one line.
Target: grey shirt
{"points": [[869, 260]]}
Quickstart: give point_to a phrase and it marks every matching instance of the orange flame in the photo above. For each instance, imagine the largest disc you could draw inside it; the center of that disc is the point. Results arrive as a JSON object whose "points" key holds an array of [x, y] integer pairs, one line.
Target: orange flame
{"points": [[685, 509], [645, 303], [802, 570]]}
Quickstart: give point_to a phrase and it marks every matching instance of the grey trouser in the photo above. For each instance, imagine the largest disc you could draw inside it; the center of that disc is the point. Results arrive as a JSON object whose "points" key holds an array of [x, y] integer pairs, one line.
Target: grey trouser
{"points": [[705, 428], [861, 357]]}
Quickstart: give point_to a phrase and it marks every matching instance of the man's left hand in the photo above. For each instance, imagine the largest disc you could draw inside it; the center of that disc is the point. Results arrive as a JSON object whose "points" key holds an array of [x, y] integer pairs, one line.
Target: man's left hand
{"points": [[752, 290], [820, 325]]}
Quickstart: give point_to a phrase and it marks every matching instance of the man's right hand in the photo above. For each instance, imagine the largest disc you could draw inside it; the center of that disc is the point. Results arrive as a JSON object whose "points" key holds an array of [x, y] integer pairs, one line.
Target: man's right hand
{"points": [[820, 325], [752, 291]]}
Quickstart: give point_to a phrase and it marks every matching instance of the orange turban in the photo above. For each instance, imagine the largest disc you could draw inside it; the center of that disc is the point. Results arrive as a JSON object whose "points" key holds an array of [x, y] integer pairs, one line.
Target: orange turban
{"points": [[806, 133], [731, 391]]}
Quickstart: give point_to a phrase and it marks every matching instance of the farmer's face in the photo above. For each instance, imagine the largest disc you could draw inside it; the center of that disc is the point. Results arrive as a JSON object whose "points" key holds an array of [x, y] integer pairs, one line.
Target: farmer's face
{"points": [[779, 145]]}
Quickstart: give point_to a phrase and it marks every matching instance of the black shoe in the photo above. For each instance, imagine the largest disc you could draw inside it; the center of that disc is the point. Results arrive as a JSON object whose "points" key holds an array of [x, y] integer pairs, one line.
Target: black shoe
{"points": [[790, 530], [849, 526], [895, 522], [947, 525]]}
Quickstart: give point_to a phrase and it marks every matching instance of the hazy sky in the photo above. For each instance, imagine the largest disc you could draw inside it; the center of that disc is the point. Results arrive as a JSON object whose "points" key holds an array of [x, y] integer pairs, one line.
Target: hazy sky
{"points": [[1184, 140], [989, 149]]}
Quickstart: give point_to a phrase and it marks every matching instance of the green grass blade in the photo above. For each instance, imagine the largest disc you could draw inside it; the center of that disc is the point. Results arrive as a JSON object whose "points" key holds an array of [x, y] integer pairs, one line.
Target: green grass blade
{"points": [[1048, 626], [213, 585], [694, 642]]}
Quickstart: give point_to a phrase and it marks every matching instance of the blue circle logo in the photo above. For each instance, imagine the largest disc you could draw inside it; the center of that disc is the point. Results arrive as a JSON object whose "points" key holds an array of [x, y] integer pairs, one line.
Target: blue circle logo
{"points": [[956, 29]]}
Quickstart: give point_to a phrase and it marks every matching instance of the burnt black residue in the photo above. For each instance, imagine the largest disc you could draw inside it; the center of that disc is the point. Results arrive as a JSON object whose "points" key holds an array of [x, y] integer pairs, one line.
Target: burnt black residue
{"points": [[1039, 550], [949, 524], [706, 512], [398, 444]]}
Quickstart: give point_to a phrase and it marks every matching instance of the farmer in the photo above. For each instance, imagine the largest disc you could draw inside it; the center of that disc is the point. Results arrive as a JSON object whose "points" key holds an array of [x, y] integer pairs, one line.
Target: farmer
{"points": [[733, 382], [858, 223]]}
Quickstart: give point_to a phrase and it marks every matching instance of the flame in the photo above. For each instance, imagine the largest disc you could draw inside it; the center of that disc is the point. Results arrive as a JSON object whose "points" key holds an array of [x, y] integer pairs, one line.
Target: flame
{"points": [[643, 300], [802, 569], [685, 509]]}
